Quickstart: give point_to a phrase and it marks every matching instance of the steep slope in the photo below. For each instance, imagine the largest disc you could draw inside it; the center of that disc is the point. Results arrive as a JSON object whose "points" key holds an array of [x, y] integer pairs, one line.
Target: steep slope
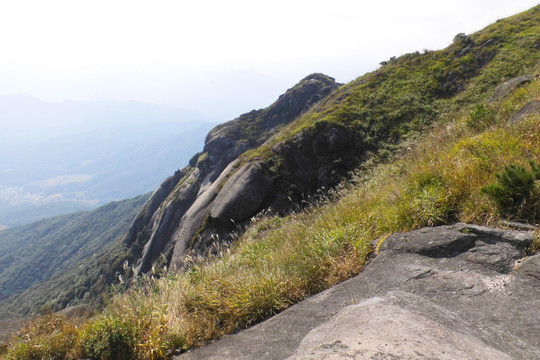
{"points": [[209, 198], [34, 253], [465, 120], [450, 292], [281, 261], [321, 138]]}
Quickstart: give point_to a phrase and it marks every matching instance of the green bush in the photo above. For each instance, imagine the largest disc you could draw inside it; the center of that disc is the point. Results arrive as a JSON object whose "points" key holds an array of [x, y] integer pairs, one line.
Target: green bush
{"points": [[129, 330], [110, 337], [516, 192], [481, 117]]}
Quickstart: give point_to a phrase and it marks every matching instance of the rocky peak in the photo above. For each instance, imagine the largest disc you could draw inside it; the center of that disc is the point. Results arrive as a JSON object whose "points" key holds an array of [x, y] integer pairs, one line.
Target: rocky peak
{"points": [[303, 95], [253, 127], [206, 200]]}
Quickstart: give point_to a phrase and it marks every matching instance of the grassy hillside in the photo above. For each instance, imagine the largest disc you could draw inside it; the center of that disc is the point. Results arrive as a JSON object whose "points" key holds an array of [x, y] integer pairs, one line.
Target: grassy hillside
{"points": [[417, 89], [34, 253], [435, 146], [280, 261]]}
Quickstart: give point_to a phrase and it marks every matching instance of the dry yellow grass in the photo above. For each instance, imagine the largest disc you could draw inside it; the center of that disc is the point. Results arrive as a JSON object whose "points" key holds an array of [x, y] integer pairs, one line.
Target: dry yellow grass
{"points": [[280, 261]]}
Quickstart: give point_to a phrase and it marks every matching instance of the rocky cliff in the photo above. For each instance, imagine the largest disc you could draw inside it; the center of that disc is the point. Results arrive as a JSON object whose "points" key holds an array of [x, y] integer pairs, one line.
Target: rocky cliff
{"points": [[218, 191], [316, 132]]}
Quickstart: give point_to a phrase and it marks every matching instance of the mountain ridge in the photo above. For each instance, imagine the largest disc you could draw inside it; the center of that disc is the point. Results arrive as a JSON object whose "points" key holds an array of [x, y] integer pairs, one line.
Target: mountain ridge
{"points": [[23, 114], [426, 144], [203, 185], [337, 133]]}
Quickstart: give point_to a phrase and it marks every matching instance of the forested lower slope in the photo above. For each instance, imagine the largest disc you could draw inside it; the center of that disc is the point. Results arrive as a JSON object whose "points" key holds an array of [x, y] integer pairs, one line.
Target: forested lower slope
{"points": [[34, 253]]}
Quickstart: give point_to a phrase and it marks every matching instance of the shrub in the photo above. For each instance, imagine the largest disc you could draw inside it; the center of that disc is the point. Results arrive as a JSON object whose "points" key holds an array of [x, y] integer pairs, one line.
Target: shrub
{"points": [[110, 338], [516, 193], [129, 330], [481, 118]]}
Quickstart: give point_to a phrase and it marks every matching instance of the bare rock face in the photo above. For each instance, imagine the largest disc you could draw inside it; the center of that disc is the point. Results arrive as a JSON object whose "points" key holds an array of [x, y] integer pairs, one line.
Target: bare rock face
{"points": [[507, 87], [531, 108], [151, 206], [243, 194], [204, 202], [313, 159], [399, 325], [166, 217], [451, 292], [193, 221]]}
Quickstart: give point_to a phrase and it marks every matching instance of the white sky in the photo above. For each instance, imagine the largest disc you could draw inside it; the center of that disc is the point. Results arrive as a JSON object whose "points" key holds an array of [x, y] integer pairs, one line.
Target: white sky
{"points": [[220, 57]]}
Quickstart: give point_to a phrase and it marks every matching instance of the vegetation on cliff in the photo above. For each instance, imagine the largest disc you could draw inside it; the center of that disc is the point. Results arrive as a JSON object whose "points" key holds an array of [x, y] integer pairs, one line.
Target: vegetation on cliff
{"points": [[437, 137]]}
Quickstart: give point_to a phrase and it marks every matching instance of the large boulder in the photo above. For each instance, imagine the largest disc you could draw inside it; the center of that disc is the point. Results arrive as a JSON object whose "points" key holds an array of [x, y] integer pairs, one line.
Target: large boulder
{"points": [[507, 87], [243, 195], [450, 292], [529, 109]]}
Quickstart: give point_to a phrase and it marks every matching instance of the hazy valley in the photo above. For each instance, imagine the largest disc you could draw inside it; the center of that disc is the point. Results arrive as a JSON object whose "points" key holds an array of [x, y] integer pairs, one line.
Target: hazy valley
{"points": [[111, 151]]}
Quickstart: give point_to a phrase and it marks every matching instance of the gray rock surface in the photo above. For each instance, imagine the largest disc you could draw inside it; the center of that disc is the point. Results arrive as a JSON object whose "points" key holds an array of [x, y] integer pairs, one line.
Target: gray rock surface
{"points": [[166, 217], [399, 325], [451, 292], [150, 207], [77, 312], [195, 216], [507, 87], [243, 194], [531, 108]]}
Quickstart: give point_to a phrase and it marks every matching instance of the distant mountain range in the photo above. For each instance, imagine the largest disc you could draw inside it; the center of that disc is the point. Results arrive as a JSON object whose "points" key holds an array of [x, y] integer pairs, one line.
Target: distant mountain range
{"points": [[64, 157], [24, 117]]}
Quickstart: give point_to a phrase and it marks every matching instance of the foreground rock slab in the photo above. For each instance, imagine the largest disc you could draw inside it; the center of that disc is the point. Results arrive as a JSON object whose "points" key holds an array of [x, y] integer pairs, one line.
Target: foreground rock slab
{"points": [[451, 292]]}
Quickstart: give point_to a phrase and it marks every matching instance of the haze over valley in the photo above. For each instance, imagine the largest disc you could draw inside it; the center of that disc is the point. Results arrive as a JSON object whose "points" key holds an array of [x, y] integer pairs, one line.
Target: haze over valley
{"points": [[69, 156]]}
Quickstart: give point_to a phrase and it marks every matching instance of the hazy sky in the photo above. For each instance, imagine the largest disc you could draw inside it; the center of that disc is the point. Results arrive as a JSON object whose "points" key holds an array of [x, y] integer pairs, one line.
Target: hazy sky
{"points": [[216, 56]]}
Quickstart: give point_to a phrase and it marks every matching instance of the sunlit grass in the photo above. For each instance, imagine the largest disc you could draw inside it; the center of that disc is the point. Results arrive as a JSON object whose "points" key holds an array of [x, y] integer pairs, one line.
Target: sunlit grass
{"points": [[280, 261]]}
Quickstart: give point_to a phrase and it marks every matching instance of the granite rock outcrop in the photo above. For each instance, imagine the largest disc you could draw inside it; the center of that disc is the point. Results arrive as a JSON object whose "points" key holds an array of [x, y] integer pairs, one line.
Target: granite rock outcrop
{"points": [[450, 292], [220, 191]]}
